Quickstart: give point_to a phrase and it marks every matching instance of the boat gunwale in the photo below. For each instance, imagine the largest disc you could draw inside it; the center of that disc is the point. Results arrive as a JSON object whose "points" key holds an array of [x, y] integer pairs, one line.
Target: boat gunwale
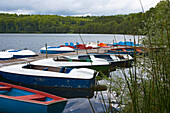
{"points": [[50, 76], [56, 99], [20, 73]]}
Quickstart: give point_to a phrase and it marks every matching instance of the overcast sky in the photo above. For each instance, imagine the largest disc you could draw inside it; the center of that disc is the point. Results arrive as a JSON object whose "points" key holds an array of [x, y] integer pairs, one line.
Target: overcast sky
{"points": [[75, 7]]}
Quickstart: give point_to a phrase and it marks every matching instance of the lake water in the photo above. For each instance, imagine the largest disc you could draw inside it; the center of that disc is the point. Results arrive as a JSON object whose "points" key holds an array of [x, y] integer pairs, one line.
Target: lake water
{"points": [[36, 41], [78, 103]]}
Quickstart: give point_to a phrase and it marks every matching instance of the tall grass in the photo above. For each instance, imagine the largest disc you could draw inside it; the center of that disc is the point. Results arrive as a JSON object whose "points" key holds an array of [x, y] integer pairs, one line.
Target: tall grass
{"points": [[148, 82], [146, 87]]}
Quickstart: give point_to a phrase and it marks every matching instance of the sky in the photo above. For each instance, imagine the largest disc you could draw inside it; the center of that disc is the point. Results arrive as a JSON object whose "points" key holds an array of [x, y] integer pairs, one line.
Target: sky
{"points": [[75, 7]]}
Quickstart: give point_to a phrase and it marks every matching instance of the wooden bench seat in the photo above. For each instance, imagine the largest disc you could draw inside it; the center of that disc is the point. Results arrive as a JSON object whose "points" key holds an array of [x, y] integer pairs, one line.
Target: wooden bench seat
{"points": [[45, 68], [5, 88], [31, 97]]}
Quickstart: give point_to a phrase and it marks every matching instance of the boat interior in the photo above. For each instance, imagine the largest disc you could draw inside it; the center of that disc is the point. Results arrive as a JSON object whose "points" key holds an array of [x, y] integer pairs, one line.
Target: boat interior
{"points": [[48, 68], [22, 94], [106, 57], [72, 60], [120, 56]]}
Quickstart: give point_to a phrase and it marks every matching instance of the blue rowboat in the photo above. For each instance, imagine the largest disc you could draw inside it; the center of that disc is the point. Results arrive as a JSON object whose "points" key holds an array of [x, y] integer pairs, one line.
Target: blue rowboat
{"points": [[50, 76], [56, 50], [21, 53], [17, 99]]}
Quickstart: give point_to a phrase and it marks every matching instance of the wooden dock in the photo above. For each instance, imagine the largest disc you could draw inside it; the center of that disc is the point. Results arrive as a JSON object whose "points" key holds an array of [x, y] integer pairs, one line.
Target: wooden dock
{"points": [[43, 56]]}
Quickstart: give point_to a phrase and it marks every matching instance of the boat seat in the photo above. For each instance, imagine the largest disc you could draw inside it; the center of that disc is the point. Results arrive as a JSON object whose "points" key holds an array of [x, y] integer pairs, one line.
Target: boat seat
{"points": [[45, 69], [5, 88], [31, 97], [71, 44], [66, 44], [68, 70], [63, 69]]}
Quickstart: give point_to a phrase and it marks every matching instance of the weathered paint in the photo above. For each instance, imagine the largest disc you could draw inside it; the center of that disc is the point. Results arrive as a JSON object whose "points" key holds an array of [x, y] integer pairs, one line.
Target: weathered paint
{"points": [[50, 81]]}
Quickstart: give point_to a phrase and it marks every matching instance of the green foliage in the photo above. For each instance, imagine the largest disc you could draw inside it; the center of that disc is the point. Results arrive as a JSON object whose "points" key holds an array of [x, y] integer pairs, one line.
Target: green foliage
{"points": [[147, 86], [58, 24], [122, 24]]}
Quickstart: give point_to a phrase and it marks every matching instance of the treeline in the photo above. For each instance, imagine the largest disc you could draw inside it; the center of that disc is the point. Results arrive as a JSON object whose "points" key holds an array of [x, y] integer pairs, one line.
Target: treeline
{"points": [[120, 24]]}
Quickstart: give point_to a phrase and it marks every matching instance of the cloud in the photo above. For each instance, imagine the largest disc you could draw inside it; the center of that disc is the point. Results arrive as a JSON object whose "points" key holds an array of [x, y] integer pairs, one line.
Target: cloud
{"points": [[19, 11], [75, 7]]}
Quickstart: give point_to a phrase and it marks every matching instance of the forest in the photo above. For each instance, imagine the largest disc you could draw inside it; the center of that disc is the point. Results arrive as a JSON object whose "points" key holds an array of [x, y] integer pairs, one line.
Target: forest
{"points": [[116, 24]]}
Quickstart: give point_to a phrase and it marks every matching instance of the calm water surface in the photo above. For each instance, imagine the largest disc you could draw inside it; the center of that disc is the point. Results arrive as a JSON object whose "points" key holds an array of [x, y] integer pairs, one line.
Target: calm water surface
{"points": [[36, 41]]}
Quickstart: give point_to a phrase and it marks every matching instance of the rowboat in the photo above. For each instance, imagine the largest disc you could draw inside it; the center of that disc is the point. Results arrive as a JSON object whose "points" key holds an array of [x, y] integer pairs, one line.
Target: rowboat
{"points": [[56, 50], [128, 50], [50, 76], [21, 53], [96, 64], [5, 56], [114, 60], [120, 60], [18, 99]]}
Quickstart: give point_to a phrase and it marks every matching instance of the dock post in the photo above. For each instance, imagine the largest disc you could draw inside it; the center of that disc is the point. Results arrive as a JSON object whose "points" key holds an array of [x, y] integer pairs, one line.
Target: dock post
{"points": [[138, 41], [130, 42], [134, 42], [124, 40], [76, 48], [98, 47], [46, 50]]}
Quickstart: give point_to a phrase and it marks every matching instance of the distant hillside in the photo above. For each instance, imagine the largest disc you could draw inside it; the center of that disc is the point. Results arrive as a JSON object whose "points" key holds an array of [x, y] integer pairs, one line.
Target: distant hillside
{"points": [[119, 24]]}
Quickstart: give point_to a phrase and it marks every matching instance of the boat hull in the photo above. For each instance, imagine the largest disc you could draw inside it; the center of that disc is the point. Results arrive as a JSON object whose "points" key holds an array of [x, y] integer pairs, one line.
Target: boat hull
{"points": [[126, 50], [65, 92], [50, 81], [121, 64], [5, 59], [24, 56], [21, 53], [54, 52], [15, 106], [120, 52], [116, 60], [130, 53], [103, 67], [18, 99], [5, 56]]}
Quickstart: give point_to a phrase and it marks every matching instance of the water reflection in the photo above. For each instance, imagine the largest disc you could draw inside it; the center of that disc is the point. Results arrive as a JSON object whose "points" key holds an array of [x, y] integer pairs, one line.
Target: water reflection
{"points": [[79, 100], [63, 92], [66, 92], [100, 104]]}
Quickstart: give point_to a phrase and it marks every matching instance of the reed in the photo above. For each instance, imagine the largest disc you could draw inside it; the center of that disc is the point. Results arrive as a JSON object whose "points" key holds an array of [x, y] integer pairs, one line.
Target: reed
{"points": [[148, 82], [145, 88]]}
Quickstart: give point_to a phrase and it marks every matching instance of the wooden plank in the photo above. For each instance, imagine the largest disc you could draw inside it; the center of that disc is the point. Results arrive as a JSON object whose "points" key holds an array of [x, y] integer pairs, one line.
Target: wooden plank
{"points": [[5, 88], [31, 97]]}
